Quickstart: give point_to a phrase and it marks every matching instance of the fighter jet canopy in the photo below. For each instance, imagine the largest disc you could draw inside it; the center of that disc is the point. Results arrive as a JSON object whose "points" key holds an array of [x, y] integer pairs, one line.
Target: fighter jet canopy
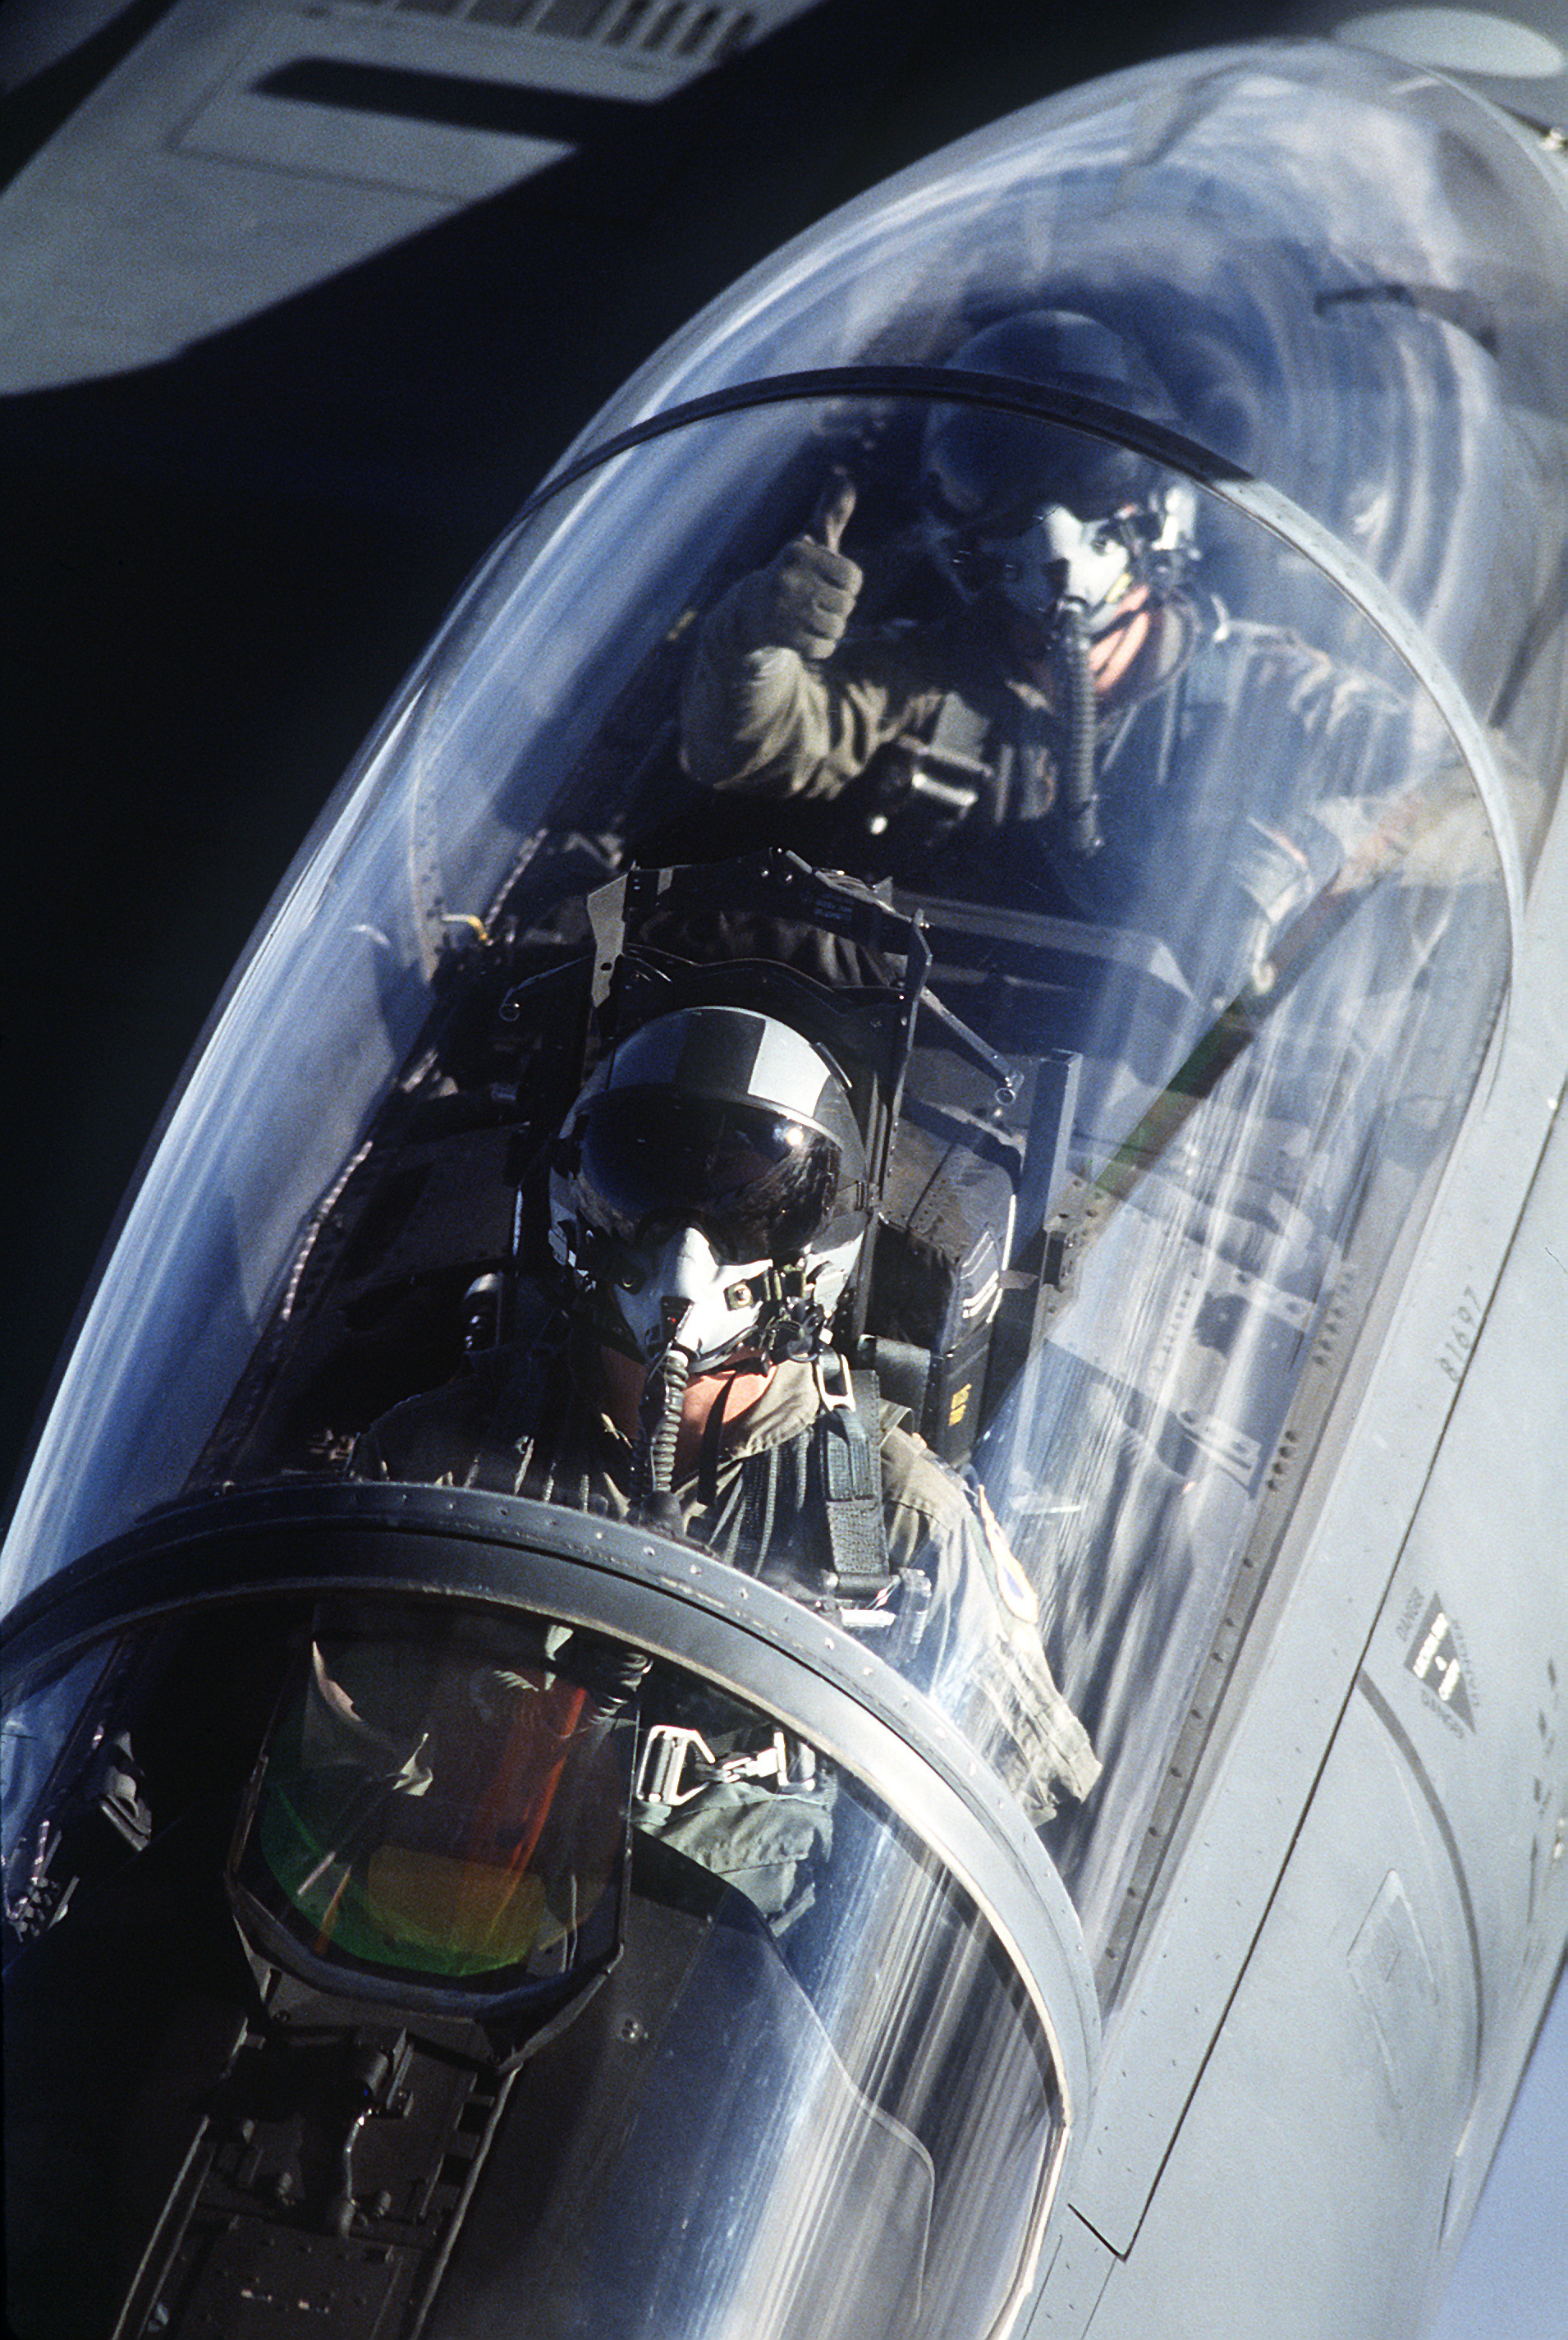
{"points": [[1146, 879]]}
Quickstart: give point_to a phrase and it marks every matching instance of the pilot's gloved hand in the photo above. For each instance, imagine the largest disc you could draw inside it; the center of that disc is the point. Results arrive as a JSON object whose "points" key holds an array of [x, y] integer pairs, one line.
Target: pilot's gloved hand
{"points": [[804, 598], [801, 601]]}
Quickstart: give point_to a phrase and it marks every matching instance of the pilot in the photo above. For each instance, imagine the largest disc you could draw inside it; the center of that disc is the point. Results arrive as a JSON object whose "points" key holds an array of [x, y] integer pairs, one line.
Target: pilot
{"points": [[1047, 726], [708, 1203]]}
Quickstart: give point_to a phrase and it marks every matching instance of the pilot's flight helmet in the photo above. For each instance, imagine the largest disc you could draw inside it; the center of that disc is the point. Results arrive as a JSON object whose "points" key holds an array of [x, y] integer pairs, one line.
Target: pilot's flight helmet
{"points": [[710, 1189], [1039, 516]]}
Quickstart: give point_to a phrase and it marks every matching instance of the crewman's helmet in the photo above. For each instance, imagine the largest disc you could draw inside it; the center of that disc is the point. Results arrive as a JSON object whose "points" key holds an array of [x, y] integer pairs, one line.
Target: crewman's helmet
{"points": [[1040, 517], [710, 1191]]}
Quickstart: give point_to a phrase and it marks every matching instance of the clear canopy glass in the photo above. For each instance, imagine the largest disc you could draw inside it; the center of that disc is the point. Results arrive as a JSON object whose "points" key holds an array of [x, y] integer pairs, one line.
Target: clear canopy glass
{"points": [[842, 2126], [1126, 777], [1209, 990], [1346, 272], [1227, 1047]]}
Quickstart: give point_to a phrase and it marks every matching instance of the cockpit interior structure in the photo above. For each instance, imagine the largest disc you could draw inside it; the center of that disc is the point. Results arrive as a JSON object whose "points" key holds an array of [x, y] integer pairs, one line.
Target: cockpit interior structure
{"points": [[990, 839]]}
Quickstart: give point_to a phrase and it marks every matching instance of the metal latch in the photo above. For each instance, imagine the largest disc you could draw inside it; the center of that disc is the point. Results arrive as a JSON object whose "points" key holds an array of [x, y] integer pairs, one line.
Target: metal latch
{"points": [[676, 1763]]}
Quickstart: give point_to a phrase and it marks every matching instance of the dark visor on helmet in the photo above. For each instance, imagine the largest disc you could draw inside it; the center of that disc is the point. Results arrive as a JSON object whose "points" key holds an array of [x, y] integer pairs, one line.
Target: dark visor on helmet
{"points": [[992, 473], [760, 1184]]}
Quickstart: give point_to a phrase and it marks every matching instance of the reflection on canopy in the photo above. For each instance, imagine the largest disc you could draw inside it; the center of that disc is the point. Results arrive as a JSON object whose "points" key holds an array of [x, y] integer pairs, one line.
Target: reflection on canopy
{"points": [[1236, 955], [1180, 819], [847, 2132]]}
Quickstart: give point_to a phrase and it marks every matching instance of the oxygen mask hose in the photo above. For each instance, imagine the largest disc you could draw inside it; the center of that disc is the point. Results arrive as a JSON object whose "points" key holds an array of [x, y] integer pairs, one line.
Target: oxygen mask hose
{"points": [[1073, 692], [658, 1428]]}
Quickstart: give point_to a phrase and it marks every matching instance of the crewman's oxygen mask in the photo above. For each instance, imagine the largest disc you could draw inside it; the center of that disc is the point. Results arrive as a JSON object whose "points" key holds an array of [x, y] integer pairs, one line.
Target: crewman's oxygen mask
{"points": [[710, 1176], [1057, 538], [1044, 524], [680, 1290], [708, 1196], [1051, 564]]}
